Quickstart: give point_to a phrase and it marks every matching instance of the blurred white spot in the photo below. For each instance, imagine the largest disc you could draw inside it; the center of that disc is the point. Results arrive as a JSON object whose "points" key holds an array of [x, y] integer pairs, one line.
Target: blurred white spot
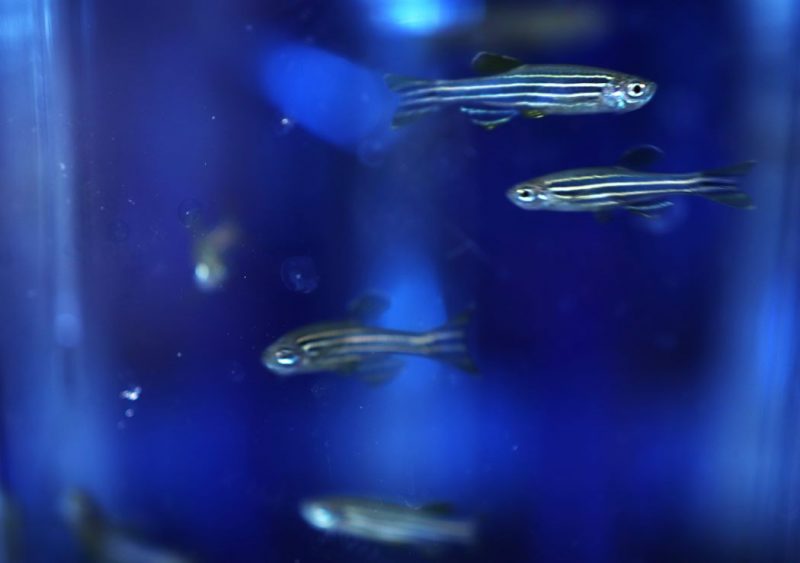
{"points": [[129, 413], [202, 273], [132, 393]]}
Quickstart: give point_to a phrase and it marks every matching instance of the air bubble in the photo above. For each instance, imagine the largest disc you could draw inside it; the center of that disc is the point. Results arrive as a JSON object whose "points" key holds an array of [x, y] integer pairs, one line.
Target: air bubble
{"points": [[284, 126], [300, 274]]}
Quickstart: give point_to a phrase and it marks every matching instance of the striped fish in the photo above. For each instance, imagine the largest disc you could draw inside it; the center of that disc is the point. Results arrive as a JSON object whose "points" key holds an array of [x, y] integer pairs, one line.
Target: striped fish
{"points": [[625, 186], [507, 88], [351, 346], [395, 524]]}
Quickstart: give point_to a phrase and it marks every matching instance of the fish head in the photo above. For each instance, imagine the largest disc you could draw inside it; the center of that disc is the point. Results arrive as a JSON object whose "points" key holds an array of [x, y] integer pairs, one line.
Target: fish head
{"points": [[284, 358], [627, 93], [321, 514], [533, 194]]}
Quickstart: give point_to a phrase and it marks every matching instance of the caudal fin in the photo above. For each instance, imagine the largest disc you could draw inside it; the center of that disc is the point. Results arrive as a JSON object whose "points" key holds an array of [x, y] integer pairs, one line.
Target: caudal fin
{"points": [[416, 99], [720, 185], [449, 344]]}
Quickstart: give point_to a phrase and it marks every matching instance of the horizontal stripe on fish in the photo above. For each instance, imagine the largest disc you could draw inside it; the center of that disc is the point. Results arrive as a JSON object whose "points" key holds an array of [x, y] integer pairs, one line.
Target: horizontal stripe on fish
{"points": [[328, 333], [450, 88], [634, 183], [650, 193], [386, 338], [597, 79], [547, 98]]}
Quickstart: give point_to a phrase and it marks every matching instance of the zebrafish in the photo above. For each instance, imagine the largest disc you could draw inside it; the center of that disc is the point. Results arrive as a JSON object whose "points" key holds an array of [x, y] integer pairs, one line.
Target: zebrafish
{"points": [[351, 346], [507, 88], [625, 186], [105, 542], [425, 527]]}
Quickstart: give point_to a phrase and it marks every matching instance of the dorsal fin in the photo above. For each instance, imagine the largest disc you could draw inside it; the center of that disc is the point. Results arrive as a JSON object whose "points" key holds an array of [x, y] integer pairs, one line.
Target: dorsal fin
{"points": [[640, 158], [368, 307], [491, 63]]}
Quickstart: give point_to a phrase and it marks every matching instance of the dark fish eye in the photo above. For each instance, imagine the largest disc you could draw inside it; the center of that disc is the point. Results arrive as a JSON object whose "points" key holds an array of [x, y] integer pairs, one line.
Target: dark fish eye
{"points": [[286, 357], [525, 194], [636, 89]]}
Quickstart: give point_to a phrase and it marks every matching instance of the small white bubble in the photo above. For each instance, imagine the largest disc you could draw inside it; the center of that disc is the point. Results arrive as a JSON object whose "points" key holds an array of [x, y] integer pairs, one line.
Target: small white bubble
{"points": [[129, 413], [131, 394], [213, 117], [62, 166], [284, 126], [179, 354], [515, 447]]}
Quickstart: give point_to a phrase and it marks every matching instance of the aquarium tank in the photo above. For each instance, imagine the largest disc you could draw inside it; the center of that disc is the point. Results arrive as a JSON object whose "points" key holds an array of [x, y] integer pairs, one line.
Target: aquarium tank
{"points": [[489, 281]]}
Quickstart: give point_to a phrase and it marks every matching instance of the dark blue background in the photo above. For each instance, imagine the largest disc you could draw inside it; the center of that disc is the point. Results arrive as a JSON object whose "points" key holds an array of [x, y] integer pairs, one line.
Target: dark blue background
{"points": [[622, 412]]}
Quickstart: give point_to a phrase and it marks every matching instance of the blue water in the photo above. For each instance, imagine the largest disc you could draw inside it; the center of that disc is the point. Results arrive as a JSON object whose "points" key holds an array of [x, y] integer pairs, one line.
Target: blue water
{"points": [[638, 389]]}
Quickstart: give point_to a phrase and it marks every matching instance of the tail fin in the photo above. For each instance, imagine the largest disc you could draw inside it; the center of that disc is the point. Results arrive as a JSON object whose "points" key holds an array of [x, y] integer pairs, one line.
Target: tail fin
{"points": [[449, 344], [415, 101], [723, 184]]}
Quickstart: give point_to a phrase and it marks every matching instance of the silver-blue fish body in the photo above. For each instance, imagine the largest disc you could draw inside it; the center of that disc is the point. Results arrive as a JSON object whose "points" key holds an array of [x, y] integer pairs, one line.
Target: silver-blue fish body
{"points": [[605, 188], [346, 347], [387, 523], [528, 90]]}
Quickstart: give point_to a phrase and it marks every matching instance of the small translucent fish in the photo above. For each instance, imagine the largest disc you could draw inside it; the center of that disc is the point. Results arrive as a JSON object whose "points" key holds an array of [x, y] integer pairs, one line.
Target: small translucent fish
{"points": [[424, 527], [211, 254], [508, 88], [105, 542], [624, 186], [352, 346]]}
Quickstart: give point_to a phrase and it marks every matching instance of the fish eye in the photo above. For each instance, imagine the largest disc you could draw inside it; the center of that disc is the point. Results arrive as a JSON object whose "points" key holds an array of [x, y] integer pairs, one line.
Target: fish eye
{"points": [[635, 89], [526, 194], [286, 357]]}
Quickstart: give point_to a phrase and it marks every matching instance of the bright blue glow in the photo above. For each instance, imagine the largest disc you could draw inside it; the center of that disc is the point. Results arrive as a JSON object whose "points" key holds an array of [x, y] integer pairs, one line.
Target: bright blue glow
{"points": [[424, 17], [329, 96]]}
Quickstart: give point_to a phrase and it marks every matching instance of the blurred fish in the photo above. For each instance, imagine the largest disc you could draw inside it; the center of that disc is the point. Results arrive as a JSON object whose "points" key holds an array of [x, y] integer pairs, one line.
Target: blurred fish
{"points": [[425, 527], [508, 88], [10, 530], [104, 542], [350, 346], [624, 186], [533, 26], [211, 254]]}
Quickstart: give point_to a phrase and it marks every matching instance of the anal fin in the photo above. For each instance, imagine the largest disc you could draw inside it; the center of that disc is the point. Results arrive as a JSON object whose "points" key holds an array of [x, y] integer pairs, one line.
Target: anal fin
{"points": [[648, 209], [489, 118]]}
